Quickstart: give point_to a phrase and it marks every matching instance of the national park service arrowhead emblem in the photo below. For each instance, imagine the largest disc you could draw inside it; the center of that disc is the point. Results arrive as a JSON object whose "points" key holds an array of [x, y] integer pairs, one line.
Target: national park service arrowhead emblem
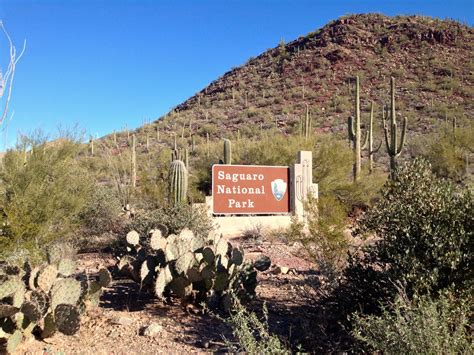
{"points": [[278, 189]]}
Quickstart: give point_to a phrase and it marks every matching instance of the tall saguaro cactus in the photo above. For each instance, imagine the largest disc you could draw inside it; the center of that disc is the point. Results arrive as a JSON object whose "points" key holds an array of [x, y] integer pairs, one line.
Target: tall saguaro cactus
{"points": [[178, 182], [306, 123], [227, 152], [353, 128], [91, 145], [370, 139], [134, 161], [394, 148]]}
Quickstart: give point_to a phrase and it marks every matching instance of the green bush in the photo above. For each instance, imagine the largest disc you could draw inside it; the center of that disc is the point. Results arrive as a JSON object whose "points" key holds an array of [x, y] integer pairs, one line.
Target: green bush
{"points": [[447, 152], [324, 241], [425, 236], [101, 213], [427, 325], [252, 334], [42, 194], [332, 167], [176, 218]]}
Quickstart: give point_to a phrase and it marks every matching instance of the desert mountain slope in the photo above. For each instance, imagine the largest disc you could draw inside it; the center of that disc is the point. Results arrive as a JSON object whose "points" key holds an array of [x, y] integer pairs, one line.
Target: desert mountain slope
{"points": [[431, 59]]}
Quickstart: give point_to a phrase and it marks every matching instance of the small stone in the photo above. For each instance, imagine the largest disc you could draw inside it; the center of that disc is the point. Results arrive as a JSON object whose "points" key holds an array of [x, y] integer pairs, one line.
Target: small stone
{"points": [[123, 321], [114, 334], [276, 270], [152, 330]]}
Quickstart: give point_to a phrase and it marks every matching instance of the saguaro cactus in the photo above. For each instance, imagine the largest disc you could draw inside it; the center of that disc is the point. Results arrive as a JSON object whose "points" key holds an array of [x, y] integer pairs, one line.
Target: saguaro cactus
{"points": [[91, 145], [178, 182], [393, 148], [353, 128], [306, 123], [186, 158], [370, 139], [227, 152], [134, 161]]}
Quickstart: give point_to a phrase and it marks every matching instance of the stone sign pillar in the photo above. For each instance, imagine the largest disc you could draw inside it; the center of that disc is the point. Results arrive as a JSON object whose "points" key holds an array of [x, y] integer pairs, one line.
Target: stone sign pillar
{"points": [[301, 182]]}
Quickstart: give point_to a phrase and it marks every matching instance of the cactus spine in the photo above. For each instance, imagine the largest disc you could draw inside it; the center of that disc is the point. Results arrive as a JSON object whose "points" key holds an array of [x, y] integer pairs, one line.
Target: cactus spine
{"points": [[354, 133], [227, 152], [178, 182], [134, 162], [393, 148]]}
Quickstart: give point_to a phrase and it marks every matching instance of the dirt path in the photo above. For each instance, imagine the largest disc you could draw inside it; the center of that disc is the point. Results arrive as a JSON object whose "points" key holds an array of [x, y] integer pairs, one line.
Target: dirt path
{"points": [[117, 326]]}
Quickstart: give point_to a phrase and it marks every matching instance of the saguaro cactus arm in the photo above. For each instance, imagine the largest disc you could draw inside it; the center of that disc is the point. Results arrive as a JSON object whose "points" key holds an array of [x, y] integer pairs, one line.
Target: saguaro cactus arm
{"points": [[350, 128], [402, 138]]}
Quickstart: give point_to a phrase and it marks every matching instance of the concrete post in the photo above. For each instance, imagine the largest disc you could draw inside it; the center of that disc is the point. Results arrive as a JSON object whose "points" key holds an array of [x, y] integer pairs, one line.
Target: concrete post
{"points": [[301, 182]]}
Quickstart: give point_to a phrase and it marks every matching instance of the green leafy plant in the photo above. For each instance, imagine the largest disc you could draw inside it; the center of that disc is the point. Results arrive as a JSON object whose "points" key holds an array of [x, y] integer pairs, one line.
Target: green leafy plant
{"points": [[42, 193], [424, 230], [431, 325], [252, 334]]}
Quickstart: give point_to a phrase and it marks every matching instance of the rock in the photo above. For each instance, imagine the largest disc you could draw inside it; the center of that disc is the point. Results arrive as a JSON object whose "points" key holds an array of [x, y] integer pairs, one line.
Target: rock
{"points": [[123, 321], [114, 334], [152, 330], [262, 263], [281, 270]]}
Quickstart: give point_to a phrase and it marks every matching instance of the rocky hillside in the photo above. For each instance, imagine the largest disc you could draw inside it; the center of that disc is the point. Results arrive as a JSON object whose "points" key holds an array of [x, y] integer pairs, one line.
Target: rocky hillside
{"points": [[431, 60]]}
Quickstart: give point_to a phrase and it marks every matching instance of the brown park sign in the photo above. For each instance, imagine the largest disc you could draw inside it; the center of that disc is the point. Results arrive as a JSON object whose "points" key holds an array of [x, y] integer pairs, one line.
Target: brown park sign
{"points": [[250, 189]]}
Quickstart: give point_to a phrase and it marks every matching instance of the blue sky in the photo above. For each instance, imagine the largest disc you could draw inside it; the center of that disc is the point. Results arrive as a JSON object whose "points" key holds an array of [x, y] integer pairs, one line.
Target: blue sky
{"points": [[109, 64]]}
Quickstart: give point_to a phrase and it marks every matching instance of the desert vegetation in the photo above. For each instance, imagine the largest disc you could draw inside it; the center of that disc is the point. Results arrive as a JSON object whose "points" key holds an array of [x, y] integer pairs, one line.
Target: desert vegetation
{"points": [[387, 244]]}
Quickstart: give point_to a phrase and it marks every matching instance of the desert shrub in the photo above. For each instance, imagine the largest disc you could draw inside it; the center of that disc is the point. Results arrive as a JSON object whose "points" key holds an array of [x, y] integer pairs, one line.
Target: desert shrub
{"points": [[175, 218], [152, 186], [324, 241], [273, 150], [41, 197], [447, 152], [431, 325], [120, 173], [101, 213], [332, 167], [425, 232], [252, 333]]}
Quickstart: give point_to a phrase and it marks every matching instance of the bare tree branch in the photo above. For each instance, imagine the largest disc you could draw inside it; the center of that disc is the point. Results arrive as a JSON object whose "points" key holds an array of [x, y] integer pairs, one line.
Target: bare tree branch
{"points": [[6, 80]]}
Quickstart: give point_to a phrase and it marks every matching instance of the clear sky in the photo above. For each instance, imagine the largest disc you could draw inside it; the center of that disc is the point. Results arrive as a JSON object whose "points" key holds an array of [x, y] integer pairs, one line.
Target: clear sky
{"points": [[108, 64]]}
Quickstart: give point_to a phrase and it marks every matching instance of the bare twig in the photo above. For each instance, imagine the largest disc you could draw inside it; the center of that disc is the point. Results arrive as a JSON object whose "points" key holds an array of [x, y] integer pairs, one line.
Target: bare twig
{"points": [[6, 80]]}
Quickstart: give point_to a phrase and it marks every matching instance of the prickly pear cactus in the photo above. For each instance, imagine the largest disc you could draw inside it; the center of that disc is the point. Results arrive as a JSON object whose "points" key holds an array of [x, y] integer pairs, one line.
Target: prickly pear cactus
{"points": [[190, 267], [46, 298]]}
